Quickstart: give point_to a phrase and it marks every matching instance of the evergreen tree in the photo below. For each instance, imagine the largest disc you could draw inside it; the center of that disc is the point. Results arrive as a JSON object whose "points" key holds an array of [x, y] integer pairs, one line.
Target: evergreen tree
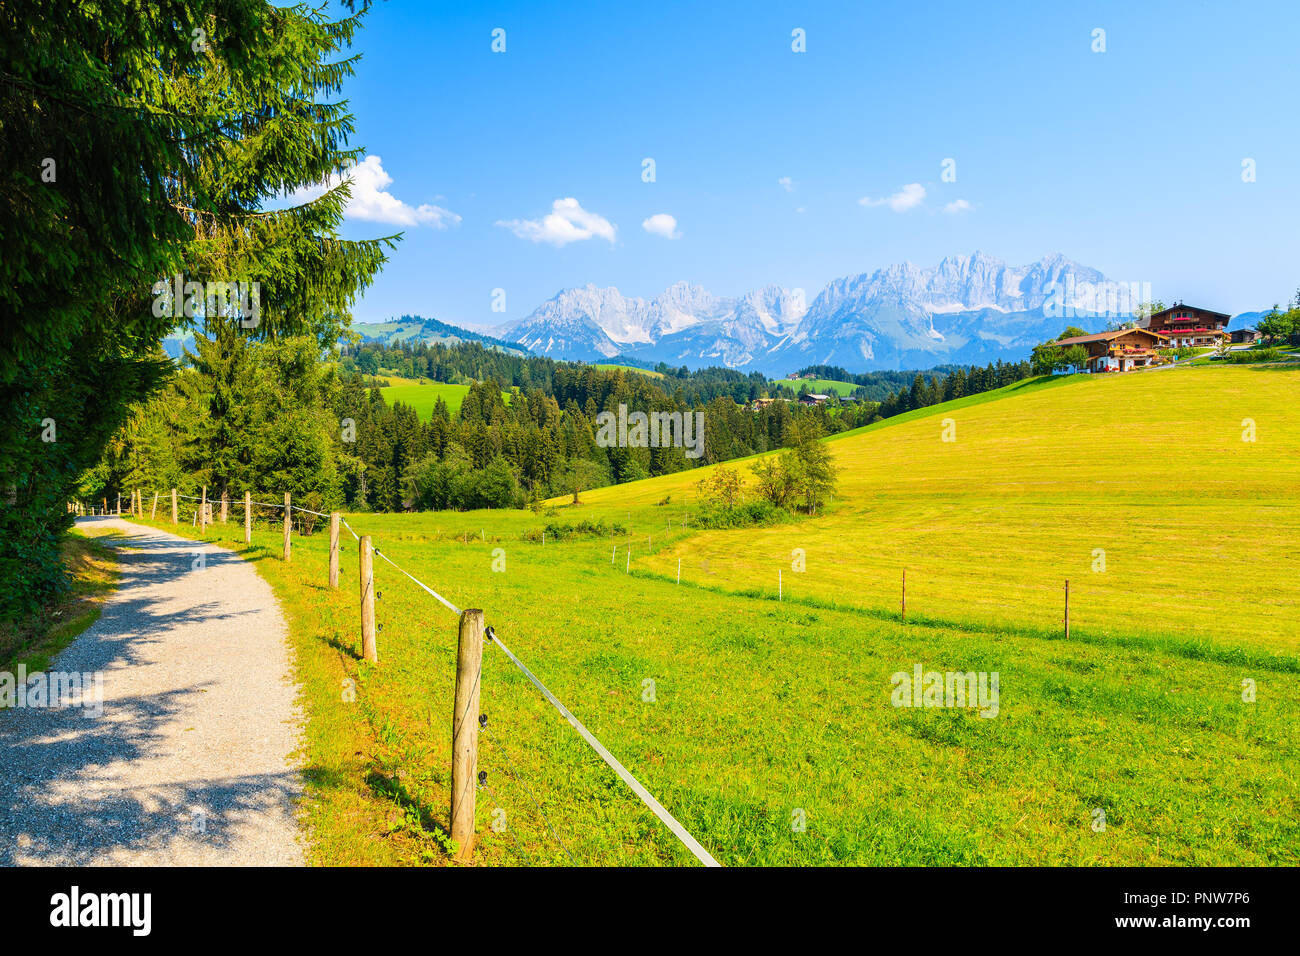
{"points": [[133, 149]]}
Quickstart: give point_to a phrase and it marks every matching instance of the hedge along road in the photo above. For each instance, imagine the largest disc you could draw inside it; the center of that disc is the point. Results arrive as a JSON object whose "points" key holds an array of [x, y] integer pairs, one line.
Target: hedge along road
{"points": [[191, 761]]}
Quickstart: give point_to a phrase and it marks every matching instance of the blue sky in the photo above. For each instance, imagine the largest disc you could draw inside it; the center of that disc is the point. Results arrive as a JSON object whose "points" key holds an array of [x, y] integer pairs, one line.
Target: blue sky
{"points": [[1127, 160]]}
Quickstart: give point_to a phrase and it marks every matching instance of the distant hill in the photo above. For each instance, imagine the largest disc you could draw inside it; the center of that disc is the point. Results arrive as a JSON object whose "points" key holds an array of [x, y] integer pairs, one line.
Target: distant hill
{"points": [[423, 396], [822, 386], [407, 328], [1246, 320], [418, 329]]}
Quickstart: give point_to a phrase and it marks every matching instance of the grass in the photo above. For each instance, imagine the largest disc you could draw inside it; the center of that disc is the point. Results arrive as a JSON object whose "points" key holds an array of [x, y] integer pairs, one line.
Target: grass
{"points": [[762, 708], [1144, 475], [92, 575], [610, 367], [423, 395], [822, 386]]}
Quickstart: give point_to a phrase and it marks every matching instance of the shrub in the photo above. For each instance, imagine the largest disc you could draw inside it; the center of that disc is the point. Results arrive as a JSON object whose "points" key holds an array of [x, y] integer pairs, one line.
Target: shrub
{"points": [[803, 471], [721, 487], [1256, 355], [743, 515], [583, 529]]}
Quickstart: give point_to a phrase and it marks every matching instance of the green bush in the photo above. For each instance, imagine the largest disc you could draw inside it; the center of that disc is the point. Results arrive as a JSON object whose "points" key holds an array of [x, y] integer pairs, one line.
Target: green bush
{"points": [[1256, 355], [583, 529], [743, 515]]}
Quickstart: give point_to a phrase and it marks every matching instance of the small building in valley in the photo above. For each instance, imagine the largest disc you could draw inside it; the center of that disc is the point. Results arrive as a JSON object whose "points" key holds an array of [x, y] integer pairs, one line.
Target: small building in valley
{"points": [[1186, 326], [813, 398], [1119, 351], [1244, 336]]}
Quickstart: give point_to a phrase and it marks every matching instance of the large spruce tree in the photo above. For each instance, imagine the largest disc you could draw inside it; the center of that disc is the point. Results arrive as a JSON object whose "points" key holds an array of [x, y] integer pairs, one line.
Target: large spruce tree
{"points": [[137, 143]]}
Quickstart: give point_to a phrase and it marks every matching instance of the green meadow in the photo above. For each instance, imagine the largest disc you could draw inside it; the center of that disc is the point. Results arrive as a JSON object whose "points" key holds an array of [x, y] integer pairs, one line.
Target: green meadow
{"points": [[609, 367], [424, 396], [746, 714], [822, 386]]}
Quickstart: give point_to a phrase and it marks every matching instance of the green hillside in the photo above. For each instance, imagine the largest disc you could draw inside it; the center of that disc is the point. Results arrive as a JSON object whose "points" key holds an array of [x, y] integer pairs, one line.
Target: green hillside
{"points": [[1041, 475], [822, 386], [424, 396], [629, 368]]}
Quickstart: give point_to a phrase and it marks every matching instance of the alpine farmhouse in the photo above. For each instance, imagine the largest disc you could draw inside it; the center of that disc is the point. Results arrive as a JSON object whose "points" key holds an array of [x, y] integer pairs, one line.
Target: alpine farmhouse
{"points": [[1120, 350], [1179, 326], [1186, 326]]}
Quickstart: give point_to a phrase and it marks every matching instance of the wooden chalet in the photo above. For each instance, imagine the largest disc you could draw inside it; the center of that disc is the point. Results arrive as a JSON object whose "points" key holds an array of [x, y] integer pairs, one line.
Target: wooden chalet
{"points": [[1119, 351], [1186, 326]]}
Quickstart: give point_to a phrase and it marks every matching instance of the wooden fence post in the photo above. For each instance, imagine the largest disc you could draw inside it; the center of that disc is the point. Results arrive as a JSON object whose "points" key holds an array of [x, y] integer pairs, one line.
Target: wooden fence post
{"points": [[288, 525], [1067, 609], [175, 513], [367, 564], [153, 512], [248, 517], [464, 732], [119, 506], [203, 509], [904, 611], [225, 504], [334, 549]]}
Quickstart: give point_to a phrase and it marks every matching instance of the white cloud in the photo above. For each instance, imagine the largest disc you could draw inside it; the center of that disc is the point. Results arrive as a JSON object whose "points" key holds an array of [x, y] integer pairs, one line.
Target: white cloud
{"points": [[370, 199], [786, 183], [909, 197], [662, 224], [567, 222], [957, 205]]}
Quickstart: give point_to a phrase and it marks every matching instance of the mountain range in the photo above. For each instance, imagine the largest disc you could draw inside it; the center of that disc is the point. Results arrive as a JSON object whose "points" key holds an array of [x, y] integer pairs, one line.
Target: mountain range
{"points": [[965, 310]]}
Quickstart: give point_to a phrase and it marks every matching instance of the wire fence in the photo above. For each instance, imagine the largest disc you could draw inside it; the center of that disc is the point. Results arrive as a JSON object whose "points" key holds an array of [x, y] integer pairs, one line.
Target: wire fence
{"points": [[648, 799]]}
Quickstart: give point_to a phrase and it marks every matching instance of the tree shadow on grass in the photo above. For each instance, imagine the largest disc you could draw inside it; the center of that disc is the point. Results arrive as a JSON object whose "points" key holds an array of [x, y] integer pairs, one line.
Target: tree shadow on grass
{"points": [[394, 791]]}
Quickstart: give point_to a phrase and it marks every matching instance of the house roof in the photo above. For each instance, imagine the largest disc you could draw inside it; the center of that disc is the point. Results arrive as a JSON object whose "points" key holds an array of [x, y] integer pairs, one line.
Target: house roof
{"points": [[1192, 308], [1105, 336]]}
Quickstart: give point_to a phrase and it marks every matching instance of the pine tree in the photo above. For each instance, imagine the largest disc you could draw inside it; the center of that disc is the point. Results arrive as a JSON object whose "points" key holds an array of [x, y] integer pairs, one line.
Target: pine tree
{"points": [[916, 397], [133, 149]]}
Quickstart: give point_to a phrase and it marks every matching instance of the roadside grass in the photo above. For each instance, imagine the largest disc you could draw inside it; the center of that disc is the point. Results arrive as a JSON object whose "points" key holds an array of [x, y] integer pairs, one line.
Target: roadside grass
{"points": [[92, 573]]}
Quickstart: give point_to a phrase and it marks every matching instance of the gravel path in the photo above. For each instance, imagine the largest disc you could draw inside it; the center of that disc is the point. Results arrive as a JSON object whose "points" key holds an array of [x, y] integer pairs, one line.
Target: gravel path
{"points": [[192, 761]]}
